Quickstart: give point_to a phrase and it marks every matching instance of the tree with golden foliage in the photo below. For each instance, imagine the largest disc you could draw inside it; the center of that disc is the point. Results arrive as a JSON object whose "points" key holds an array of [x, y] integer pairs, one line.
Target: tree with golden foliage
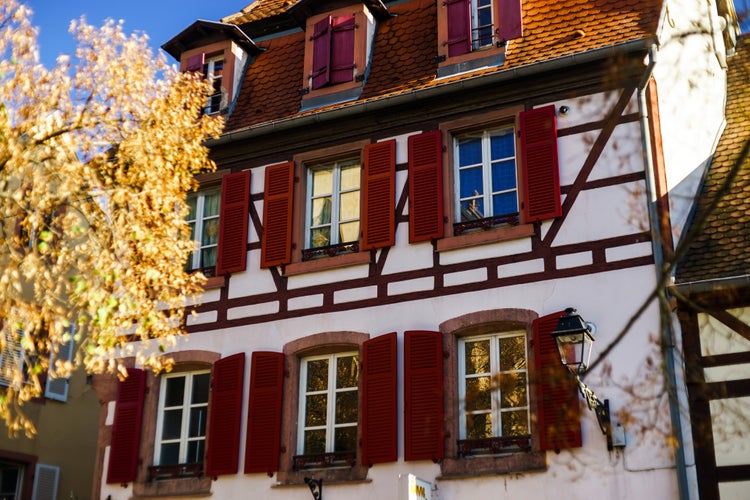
{"points": [[97, 156]]}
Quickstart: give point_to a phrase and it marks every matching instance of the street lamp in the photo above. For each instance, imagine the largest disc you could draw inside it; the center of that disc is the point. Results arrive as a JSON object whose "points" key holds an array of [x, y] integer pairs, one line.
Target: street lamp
{"points": [[574, 338]]}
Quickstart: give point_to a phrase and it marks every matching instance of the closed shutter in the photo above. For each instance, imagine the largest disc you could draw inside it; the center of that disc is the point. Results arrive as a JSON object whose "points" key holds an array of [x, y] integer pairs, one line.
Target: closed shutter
{"points": [[458, 14], [45, 482], [423, 395], [233, 219], [558, 411], [126, 428], [541, 172], [321, 65], [225, 413], [510, 23], [342, 49], [276, 242], [379, 218], [426, 186], [264, 412], [195, 63], [379, 420], [57, 388]]}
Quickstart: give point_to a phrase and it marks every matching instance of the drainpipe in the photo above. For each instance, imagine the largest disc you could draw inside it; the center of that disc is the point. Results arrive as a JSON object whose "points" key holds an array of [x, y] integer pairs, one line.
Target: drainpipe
{"points": [[666, 333]]}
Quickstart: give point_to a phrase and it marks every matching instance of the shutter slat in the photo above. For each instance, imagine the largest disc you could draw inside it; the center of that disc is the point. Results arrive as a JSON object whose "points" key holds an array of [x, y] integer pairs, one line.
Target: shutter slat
{"points": [[225, 413], [379, 217], [458, 14], [541, 171], [126, 428], [276, 241], [425, 186], [233, 220], [558, 411], [264, 412], [423, 395], [510, 20], [321, 68], [380, 419]]}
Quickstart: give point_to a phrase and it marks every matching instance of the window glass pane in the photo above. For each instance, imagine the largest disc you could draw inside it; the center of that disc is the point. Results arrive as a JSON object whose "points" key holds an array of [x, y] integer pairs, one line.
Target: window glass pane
{"points": [[195, 451], [471, 183], [172, 424], [345, 439], [200, 388], [315, 442], [316, 410], [317, 375], [175, 391], [208, 257], [349, 232], [346, 407], [320, 237], [211, 204], [503, 175], [198, 421], [477, 356], [472, 209], [515, 423], [210, 232], [321, 211], [502, 144], [512, 390], [469, 151], [349, 206], [503, 204], [192, 201], [9, 476], [512, 353], [347, 371], [478, 394], [170, 454], [322, 181], [478, 426], [350, 175]]}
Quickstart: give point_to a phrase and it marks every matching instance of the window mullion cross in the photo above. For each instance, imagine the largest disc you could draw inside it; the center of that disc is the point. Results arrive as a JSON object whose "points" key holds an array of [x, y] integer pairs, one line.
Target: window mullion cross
{"points": [[336, 204], [331, 405], [198, 234], [185, 419], [487, 174]]}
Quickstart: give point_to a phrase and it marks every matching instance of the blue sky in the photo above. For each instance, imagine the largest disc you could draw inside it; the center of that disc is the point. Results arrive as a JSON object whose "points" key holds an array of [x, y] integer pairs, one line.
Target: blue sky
{"points": [[160, 19]]}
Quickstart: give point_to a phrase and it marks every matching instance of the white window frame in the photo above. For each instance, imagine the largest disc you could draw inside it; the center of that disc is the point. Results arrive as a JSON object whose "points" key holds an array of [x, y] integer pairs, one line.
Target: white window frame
{"points": [[336, 193], [496, 411], [475, 28], [486, 165], [331, 392], [186, 406], [211, 76], [200, 222], [57, 388]]}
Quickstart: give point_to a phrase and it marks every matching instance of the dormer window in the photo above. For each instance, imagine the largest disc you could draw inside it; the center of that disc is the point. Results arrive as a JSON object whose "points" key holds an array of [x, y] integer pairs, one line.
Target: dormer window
{"points": [[333, 51], [213, 72]]}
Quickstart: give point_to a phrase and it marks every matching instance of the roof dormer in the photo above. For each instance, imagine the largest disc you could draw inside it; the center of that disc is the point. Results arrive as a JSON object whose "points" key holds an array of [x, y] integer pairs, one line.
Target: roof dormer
{"points": [[220, 52]]}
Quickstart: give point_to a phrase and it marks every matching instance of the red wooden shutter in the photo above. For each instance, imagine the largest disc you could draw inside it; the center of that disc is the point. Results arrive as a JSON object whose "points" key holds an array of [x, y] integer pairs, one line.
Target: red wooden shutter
{"points": [[423, 395], [321, 65], [342, 49], [126, 428], [276, 242], [379, 195], [541, 172], [264, 412], [225, 413], [426, 186], [510, 22], [379, 416], [235, 205], [458, 14], [195, 63], [558, 410]]}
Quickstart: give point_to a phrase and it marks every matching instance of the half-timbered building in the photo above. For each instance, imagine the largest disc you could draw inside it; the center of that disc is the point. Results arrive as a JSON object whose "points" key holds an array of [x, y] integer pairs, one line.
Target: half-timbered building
{"points": [[409, 196]]}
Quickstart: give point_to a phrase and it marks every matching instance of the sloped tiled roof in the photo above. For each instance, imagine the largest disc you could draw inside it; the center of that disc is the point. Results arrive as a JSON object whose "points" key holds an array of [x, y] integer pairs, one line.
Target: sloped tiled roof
{"points": [[405, 47], [721, 248]]}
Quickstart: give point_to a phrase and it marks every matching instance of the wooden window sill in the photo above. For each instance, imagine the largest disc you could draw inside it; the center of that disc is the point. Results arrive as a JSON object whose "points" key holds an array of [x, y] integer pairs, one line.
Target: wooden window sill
{"points": [[215, 282], [479, 237], [325, 263], [468, 467]]}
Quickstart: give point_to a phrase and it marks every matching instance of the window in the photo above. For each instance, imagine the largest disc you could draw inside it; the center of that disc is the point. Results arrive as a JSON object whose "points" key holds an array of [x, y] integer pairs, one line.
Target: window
{"points": [[333, 204], [181, 426], [333, 51], [204, 228], [328, 405], [214, 73], [493, 391], [11, 480]]}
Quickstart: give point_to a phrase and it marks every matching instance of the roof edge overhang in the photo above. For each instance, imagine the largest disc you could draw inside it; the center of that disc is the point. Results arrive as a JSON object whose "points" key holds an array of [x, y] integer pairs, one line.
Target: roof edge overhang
{"points": [[188, 38], [302, 9], [284, 124]]}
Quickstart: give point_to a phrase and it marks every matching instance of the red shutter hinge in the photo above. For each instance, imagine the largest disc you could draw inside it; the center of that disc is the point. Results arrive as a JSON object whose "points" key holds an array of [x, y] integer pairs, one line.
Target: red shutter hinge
{"points": [[303, 91], [359, 78], [446, 354], [282, 449], [439, 59], [286, 372]]}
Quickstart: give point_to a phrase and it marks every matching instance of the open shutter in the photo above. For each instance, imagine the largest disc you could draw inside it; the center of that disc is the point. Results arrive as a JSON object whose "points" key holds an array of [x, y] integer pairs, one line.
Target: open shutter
{"points": [[342, 49], [541, 172], [225, 413], [510, 22], [458, 14], [426, 186], [379, 197], [235, 205], [264, 412], [423, 395], [195, 63], [45, 482], [321, 65], [126, 428], [57, 388], [276, 242], [379, 420], [558, 410]]}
